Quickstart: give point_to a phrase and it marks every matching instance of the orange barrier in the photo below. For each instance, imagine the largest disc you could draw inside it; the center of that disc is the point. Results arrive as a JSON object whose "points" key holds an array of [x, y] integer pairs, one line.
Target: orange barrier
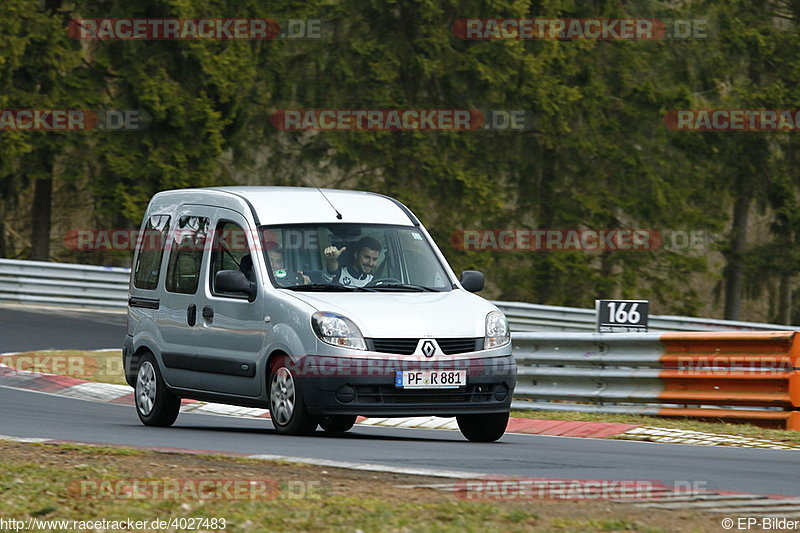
{"points": [[747, 376]]}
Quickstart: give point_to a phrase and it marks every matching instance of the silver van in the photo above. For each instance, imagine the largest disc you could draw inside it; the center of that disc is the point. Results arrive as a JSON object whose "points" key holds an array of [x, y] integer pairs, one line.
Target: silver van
{"points": [[321, 305]]}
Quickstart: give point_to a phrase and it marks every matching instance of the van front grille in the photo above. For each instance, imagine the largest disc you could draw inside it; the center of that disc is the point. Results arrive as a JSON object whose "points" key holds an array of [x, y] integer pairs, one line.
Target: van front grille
{"points": [[386, 394], [398, 346], [407, 346], [453, 346]]}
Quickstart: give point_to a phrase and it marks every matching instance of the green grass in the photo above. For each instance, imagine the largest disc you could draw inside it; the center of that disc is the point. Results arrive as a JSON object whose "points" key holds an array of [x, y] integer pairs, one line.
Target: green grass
{"points": [[724, 428], [577, 526], [91, 449], [41, 489]]}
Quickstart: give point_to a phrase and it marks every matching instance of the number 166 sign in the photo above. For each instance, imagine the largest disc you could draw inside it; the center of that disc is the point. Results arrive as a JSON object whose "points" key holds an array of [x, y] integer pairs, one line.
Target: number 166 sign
{"points": [[621, 316]]}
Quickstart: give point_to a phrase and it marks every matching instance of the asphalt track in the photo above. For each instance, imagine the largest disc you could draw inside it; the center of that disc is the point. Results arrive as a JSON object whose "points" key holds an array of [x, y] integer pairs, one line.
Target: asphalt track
{"points": [[32, 414], [23, 328]]}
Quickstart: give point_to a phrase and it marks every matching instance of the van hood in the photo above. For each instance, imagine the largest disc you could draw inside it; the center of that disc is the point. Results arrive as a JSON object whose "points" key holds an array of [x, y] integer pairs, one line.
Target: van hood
{"points": [[455, 313]]}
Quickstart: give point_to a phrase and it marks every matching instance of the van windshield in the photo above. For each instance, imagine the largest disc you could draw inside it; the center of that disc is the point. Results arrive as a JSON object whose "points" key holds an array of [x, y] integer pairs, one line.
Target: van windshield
{"points": [[352, 257]]}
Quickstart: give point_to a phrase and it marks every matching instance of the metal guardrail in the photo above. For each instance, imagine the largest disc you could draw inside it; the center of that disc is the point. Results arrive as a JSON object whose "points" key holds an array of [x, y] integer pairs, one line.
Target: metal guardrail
{"points": [[97, 287], [752, 376], [62, 284]]}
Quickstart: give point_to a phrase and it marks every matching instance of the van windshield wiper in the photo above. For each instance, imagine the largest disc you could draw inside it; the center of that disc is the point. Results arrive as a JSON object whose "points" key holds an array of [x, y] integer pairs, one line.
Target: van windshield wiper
{"points": [[328, 287], [403, 286]]}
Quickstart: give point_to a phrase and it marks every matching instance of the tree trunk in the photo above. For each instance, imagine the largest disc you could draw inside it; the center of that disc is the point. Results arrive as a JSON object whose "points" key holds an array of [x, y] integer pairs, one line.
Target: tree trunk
{"points": [[3, 251], [785, 300], [608, 269], [734, 271], [41, 217], [545, 275]]}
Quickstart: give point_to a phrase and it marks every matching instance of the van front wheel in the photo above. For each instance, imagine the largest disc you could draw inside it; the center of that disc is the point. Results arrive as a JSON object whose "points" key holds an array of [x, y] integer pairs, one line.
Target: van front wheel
{"points": [[483, 427], [286, 407]]}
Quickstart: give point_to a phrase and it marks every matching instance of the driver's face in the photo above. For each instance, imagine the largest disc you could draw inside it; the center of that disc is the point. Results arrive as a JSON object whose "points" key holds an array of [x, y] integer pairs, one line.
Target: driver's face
{"points": [[275, 259], [366, 259]]}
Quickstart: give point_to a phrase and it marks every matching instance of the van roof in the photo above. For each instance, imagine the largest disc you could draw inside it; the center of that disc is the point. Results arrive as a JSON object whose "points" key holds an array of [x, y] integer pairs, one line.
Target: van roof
{"points": [[297, 205]]}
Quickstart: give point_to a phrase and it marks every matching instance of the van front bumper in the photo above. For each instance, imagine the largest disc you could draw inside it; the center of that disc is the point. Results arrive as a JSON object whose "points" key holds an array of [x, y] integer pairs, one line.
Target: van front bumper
{"points": [[355, 387]]}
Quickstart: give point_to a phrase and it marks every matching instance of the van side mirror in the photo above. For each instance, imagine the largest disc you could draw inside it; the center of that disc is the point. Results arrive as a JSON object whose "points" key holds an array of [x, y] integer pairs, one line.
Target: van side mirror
{"points": [[235, 281], [472, 280]]}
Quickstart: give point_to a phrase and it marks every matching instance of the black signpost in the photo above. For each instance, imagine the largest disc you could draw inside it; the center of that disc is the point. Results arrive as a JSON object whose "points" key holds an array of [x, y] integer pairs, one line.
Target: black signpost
{"points": [[622, 316]]}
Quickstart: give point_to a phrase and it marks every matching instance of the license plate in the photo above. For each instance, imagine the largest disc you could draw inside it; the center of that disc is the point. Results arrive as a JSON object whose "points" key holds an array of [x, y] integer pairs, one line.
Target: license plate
{"points": [[430, 379]]}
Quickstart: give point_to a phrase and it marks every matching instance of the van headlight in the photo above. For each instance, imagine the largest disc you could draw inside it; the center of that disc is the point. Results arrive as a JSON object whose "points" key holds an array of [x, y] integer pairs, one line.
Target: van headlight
{"points": [[497, 333], [337, 330]]}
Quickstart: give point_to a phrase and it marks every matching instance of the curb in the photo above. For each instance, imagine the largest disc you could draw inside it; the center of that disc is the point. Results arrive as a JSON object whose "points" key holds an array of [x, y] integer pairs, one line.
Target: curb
{"points": [[122, 395]]}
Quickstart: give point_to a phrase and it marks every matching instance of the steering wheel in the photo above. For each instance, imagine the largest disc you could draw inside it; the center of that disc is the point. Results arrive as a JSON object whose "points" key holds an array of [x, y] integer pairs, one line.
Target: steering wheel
{"points": [[384, 281]]}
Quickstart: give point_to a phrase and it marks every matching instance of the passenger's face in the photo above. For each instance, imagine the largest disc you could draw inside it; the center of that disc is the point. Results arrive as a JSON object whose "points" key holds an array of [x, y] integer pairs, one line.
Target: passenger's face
{"points": [[275, 259], [366, 259]]}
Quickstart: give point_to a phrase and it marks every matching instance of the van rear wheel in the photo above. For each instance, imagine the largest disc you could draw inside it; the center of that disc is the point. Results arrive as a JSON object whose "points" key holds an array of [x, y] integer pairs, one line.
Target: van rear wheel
{"points": [[483, 427], [156, 405], [286, 406]]}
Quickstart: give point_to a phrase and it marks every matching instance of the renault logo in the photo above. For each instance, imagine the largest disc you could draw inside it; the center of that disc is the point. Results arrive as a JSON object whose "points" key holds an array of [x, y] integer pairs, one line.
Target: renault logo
{"points": [[428, 348]]}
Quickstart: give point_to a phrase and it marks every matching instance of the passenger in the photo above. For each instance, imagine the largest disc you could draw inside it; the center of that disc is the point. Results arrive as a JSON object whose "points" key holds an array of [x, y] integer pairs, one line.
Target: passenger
{"points": [[365, 256]]}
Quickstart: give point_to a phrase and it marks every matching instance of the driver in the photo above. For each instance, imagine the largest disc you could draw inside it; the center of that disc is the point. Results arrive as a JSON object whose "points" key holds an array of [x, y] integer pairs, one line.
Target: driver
{"points": [[283, 276], [365, 256]]}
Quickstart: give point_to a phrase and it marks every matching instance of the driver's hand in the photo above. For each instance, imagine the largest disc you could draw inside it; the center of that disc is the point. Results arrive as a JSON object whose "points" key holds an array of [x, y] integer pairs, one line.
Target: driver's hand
{"points": [[306, 279], [333, 252]]}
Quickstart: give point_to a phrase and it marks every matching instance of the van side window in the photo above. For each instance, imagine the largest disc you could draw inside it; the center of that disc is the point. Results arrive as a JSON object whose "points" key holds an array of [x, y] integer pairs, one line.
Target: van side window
{"points": [[186, 255], [151, 250], [230, 251]]}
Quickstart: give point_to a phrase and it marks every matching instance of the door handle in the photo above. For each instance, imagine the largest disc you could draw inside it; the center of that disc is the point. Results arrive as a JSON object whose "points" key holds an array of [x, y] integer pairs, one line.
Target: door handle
{"points": [[191, 315], [208, 313]]}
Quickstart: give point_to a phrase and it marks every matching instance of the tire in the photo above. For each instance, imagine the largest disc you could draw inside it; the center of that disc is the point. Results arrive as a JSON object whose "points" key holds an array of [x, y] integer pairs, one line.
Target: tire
{"points": [[337, 423], [484, 427], [286, 406], [155, 404]]}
